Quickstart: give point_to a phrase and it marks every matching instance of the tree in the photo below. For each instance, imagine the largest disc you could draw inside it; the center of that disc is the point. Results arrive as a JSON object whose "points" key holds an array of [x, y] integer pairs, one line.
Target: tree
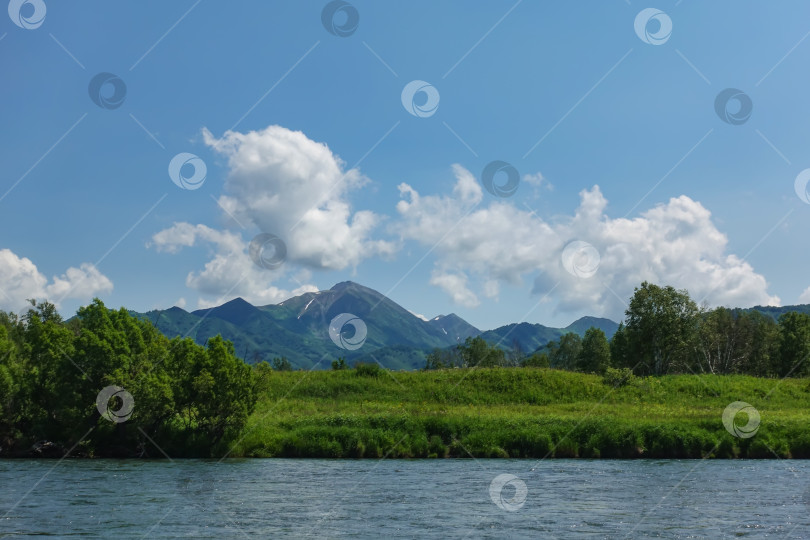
{"points": [[563, 354], [516, 355], [536, 360], [661, 325], [594, 355], [620, 355], [281, 364], [794, 344], [764, 359], [339, 364], [734, 341], [51, 373], [477, 352]]}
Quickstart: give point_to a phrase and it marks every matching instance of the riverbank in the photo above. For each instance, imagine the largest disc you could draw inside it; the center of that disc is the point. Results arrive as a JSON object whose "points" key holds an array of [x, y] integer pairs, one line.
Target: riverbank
{"points": [[521, 413]]}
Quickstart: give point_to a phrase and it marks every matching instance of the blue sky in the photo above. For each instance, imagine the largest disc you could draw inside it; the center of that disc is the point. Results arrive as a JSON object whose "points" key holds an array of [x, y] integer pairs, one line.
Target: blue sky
{"points": [[565, 92]]}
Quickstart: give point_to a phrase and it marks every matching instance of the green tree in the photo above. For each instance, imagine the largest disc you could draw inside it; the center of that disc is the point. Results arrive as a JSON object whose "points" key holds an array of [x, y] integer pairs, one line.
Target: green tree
{"points": [[794, 344], [281, 364], [764, 358], [620, 355], [477, 352], [661, 326], [536, 360], [224, 391], [563, 354], [339, 364], [734, 341], [594, 355]]}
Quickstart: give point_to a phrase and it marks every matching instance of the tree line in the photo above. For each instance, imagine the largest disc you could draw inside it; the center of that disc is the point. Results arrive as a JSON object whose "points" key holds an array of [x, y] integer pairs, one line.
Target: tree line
{"points": [[189, 400], [664, 331]]}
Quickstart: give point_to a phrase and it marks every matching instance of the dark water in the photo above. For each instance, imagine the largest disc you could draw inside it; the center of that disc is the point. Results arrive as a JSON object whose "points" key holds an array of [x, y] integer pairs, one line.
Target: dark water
{"points": [[266, 498]]}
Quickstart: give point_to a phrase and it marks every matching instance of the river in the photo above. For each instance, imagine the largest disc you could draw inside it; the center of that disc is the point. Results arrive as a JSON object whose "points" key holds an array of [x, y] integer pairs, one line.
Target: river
{"points": [[280, 498]]}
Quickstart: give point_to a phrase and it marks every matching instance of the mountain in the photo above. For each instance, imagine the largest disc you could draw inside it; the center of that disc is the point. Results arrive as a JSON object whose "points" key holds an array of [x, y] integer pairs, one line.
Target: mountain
{"points": [[529, 337], [774, 312], [605, 325], [298, 329], [454, 326]]}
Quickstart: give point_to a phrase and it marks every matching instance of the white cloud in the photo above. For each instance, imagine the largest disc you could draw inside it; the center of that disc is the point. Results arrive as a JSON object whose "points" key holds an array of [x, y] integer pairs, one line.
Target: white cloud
{"points": [[20, 280], [230, 273], [456, 286], [286, 184], [804, 298], [674, 244], [279, 182], [537, 180], [418, 315]]}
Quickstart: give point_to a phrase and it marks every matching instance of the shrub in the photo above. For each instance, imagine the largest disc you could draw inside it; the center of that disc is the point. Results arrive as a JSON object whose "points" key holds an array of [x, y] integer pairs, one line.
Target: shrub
{"points": [[362, 369], [619, 377]]}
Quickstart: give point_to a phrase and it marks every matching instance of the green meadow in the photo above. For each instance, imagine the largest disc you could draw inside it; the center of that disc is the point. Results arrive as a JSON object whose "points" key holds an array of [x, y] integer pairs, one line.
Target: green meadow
{"points": [[520, 413]]}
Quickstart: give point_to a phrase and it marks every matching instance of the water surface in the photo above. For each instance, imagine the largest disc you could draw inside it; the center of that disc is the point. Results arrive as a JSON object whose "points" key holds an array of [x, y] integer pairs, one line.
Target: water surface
{"points": [[264, 498]]}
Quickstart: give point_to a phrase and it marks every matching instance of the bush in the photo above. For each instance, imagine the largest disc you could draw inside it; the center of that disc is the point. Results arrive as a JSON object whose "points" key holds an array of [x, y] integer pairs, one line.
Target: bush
{"points": [[619, 377], [362, 369]]}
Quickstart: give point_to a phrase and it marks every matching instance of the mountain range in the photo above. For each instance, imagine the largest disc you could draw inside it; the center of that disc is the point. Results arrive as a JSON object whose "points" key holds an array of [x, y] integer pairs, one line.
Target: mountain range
{"points": [[298, 329]]}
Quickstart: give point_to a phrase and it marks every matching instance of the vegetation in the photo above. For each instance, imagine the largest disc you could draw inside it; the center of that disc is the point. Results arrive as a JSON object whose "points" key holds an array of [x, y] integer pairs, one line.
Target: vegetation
{"points": [[528, 413], [188, 399], [658, 389], [664, 332]]}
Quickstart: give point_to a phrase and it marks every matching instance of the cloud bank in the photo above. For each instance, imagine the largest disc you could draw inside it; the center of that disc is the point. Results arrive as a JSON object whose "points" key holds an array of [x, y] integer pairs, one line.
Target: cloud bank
{"points": [[494, 242], [20, 280], [281, 182]]}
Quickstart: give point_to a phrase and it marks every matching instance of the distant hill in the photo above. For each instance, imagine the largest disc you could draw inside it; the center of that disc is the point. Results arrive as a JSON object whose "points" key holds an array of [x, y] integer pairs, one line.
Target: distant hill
{"points": [[396, 338], [605, 325], [298, 329], [454, 326], [774, 312]]}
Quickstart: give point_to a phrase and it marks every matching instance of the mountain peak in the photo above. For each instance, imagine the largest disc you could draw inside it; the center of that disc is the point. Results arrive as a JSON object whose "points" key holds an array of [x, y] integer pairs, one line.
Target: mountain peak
{"points": [[583, 323], [343, 285]]}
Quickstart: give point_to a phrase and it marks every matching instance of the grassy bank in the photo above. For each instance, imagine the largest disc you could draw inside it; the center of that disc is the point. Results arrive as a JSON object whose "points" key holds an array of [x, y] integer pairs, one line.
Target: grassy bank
{"points": [[529, 413]]}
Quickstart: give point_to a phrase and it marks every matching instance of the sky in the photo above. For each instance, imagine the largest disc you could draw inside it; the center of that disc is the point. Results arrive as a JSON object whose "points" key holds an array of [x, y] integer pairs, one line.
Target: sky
{"points": [[506, 161]]}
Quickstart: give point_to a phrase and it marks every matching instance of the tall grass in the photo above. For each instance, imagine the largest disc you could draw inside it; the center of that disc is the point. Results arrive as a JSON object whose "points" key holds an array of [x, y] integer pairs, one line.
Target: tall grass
{"points": [[527, 413]]}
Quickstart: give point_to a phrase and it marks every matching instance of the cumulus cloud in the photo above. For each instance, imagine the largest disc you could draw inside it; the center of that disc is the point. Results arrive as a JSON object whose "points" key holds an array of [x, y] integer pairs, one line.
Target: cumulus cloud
{"points": [[804, 298], [286, 184], [496, 242], [280, 182], [20, 280], [456, 286], [537, 180], [230, 273]]}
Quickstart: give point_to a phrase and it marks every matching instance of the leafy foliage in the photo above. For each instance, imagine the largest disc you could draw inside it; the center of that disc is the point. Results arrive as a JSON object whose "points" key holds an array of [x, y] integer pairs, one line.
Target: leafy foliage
{"points": [[188, 400]]}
